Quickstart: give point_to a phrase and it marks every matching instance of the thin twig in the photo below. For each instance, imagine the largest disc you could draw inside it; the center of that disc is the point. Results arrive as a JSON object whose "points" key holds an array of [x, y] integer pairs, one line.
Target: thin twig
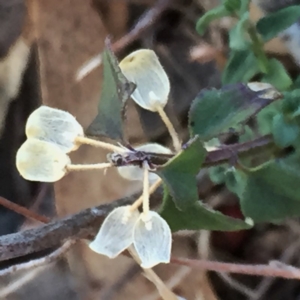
{"points": [[121, 282], [170, 127], [282, 271], [164, 291], [174, 281], [152, 189], [146, 20], [100, 144], [99, 166], [286, 257], [244, 290], [23, 211], [40, 261], [17, 284]]}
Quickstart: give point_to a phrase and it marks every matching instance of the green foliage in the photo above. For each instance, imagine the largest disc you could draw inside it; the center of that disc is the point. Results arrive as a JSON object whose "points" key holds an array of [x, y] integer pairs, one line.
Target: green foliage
{"points": [[198, 216], [273, 24], [214, 112], [246, 40], [116, 90], [272, 192], [214, 14], [179, 174], [241, 66], [277, 75]]}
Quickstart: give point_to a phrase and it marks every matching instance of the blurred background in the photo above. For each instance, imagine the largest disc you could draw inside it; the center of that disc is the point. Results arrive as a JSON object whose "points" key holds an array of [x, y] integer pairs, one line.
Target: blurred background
{"points": [[43, 44]]}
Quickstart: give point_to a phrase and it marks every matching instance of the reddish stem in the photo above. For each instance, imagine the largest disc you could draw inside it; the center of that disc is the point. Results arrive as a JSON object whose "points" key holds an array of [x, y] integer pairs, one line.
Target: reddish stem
{"points": [[23, 211], [272, 270]]}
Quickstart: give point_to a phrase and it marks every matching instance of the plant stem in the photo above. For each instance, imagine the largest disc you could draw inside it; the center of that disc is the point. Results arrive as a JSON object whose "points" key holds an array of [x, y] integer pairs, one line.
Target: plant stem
{"points": [[152, 189], [164, 291], [258, 49], [100, 144], [23, 211], [170, 127], [146, 189], [89, 167], [271, 270]]}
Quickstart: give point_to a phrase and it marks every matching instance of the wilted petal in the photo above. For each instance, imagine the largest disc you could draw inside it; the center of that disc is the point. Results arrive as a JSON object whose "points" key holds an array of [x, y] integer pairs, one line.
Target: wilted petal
{"points": [[135, 172], [38, 160], [152, 246], [54, 125], [143, 68], [116, 232]]}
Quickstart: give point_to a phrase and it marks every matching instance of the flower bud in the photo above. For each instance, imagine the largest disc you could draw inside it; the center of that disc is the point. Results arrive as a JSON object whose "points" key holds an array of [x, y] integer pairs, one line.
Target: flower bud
{"points": [[143, 68], [55, 126], [38, 160], [153, 246], [135, 172], [116, 232]]}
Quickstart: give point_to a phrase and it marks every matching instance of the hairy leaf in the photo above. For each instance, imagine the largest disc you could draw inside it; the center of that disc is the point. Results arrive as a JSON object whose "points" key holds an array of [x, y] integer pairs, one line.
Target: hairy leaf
{"points": [[116, 90], [214, 112], [274, 23], [198, 216], [179, 174], [272, 192]]}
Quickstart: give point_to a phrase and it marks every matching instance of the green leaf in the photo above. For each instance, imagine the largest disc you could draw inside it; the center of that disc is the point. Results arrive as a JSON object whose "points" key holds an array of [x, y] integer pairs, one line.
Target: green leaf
{"points": [[241, 66], [237, 35], [116, 90], [211, 15], [285, 132], [272, 24], [198, 216], [272, 192], [277, 75], [291, 104], [214, 112], [232, 5], [179, 174]]}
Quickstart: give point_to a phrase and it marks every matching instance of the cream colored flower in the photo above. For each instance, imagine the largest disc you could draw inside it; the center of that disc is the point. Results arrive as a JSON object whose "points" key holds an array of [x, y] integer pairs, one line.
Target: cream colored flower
{"points": [[116, 232], [54, 125], [38, 160], [143, 68], [123, 228]]}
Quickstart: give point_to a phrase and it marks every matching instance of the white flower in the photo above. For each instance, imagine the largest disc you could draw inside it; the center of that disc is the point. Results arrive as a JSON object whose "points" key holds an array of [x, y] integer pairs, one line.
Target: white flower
{"points": [[143, 68], [116, 232], [55, 126], [135, 172], [123, 228], [153, 245], [38, 160]]}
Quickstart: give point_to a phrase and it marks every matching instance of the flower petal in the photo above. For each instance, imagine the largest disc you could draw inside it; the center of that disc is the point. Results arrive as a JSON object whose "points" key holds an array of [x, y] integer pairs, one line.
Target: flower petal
{"points": [[116, 232], [135, 172], [38, 160], [54, 125], [153, 245], [143, 68]]}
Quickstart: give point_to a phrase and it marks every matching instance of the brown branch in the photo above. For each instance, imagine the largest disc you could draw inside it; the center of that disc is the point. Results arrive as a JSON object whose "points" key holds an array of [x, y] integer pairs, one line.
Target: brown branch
{"points": [[145, 21], [83, 225], [272, 270], [226, 153], [23, 211]]}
